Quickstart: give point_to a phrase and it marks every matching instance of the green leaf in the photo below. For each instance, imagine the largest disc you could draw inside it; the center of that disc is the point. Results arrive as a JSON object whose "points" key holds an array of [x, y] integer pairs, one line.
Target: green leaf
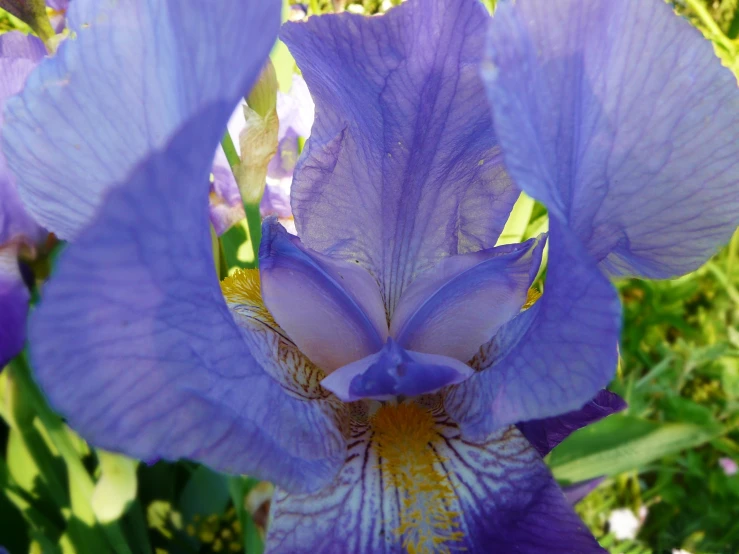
{"points": [[237, 248], [730, 377], [240, 487], [281, 58], [116, 488], [17, 541], [134, 525], [518, 221], [21, 466], [206, 493], [678, 408], [623, 443]]}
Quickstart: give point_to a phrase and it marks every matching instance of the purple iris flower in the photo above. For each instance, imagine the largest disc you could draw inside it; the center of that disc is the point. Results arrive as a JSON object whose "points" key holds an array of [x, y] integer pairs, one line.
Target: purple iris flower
{"points": [[19, 55], [376, 365]]}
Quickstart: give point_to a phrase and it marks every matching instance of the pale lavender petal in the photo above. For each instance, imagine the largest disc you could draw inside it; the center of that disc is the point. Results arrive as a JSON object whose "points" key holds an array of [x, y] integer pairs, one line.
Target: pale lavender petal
{"points": [[331, 309], [15, 44], [620, 118], [58, 5], [225, 204], [58, 17], [459, 304], [729, 466], [14, 298], [276, 198], [403, 167], [283, 163], [295, 111], [394, 372]]}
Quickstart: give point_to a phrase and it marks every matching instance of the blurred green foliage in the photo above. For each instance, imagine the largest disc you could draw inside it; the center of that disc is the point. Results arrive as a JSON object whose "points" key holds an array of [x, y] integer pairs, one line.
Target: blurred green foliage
{"points": [[679, 373]]}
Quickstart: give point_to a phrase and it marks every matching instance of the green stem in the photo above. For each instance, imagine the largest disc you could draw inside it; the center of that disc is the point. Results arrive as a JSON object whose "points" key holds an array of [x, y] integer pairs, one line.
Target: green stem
{"points": [[700, 10], [239, 487], [253, 217], [22, 420], [42, 27], [80, 483], [232, 155], [254, 221], [724, 280], [732, 254], [116, 538]]}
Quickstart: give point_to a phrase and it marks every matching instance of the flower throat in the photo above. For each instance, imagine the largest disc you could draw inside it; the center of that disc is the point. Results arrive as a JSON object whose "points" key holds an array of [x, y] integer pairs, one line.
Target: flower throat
{"points": [[404, 434]]}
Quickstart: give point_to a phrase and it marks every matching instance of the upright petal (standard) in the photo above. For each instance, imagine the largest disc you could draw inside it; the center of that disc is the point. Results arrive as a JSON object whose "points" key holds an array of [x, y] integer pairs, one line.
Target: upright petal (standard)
{"points": [[620, 118], [402, 168]]}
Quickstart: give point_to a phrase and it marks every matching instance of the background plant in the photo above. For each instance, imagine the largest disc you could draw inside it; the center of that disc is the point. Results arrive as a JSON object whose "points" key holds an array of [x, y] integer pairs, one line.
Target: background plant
{"points": [[667, 458]]}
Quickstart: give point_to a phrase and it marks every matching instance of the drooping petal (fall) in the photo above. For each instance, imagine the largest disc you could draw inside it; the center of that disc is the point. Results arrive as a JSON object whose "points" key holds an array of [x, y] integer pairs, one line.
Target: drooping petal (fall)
{"points": [[403, 167], [134, 344], [576, 492], [553, 357], [459, 304], [331, 309], [426, 488], [545, 434], [84, 123], [620, 118]]}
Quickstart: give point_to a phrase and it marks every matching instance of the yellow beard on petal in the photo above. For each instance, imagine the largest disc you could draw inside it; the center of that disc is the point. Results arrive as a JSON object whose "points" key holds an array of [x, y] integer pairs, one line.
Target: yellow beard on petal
{"points": [[404, 434], [531, 298], [243, 287]]}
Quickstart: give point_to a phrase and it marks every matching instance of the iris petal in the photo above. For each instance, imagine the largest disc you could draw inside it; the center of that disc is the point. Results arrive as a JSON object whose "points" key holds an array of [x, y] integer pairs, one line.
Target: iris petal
{"points": [[14, 45], [134, 72], [226, 207], [498, 493], [331, 309], [619, 117], [545, 434], [402, 168], [394, 371], [553, 357], [460, 303], [575, 493], [134, 344], [19, 55]]}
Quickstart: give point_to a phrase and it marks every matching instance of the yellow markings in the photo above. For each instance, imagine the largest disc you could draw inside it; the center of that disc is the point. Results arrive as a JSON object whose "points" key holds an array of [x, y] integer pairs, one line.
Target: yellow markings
{"points": [[531, 297], [243, 288], [404, 434]]}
